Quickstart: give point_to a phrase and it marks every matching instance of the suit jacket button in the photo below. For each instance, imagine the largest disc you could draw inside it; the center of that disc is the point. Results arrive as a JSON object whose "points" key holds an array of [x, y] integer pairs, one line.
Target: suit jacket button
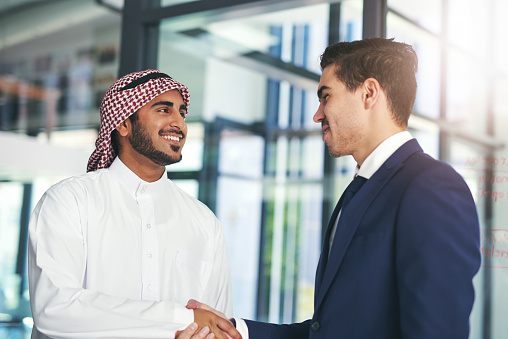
{"points": [[315, 326]]}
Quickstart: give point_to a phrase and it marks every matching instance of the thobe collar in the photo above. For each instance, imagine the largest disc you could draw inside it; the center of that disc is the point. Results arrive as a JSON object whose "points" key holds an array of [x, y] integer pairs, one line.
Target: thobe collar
{"points": [[134, 184]]}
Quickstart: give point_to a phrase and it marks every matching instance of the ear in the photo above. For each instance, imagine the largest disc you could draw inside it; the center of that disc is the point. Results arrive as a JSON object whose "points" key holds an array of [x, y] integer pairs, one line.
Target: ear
{"points": [[124, 128], [371, 92]]}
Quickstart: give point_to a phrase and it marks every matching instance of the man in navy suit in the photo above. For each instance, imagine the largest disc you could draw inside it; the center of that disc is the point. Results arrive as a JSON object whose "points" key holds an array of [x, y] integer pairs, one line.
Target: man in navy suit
{"points": [[399, 257]]}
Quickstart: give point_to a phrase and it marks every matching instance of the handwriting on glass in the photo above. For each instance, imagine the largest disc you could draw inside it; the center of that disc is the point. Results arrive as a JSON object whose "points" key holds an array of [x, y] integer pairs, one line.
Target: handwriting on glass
{"points": [[494, 248]]}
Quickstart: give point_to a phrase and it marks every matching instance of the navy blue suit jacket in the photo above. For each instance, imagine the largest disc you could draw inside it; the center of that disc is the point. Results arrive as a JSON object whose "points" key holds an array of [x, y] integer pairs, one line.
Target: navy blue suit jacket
{"points": [[403, 259]]}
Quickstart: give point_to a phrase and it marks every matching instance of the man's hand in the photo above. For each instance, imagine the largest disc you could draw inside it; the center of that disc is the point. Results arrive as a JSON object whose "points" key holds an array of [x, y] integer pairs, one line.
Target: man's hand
{"points": [[221, 327], [191, 332]]}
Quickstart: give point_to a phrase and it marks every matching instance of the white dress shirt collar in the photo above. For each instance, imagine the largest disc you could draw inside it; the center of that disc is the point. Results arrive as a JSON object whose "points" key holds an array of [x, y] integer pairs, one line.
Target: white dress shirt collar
{"points": [[377, 158], [134, 184]]}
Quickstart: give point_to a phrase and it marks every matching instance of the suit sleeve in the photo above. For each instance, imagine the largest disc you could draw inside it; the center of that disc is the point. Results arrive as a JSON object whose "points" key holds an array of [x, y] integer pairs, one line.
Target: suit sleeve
{"points": [[259, 330], [437, 255]]}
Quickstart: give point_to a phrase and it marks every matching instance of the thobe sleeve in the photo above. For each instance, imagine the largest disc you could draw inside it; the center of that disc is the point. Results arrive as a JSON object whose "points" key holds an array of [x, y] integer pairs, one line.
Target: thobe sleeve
{"points": [[218, 292]]}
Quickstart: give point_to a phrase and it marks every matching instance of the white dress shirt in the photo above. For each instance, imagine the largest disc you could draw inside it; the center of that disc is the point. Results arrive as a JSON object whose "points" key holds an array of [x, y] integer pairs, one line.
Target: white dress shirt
{"points": [[371, 164], [113, 256], [381, 153]]}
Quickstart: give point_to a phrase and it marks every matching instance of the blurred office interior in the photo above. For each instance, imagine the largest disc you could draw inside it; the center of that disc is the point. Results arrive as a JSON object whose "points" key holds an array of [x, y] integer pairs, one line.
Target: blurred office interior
{"points": [[253, 153]]}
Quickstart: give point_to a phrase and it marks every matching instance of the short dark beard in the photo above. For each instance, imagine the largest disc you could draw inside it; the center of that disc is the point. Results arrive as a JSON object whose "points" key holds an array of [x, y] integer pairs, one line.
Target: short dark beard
{"points": [[141, 143]]}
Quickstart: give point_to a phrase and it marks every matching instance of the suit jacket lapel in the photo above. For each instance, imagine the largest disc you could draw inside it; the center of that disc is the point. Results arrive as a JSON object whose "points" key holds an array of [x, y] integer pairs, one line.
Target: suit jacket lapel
{"points": [[350, 217]]}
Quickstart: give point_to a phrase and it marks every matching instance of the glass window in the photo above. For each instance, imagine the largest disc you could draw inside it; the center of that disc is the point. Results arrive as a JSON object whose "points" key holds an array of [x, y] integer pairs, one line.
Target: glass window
{"points": [[231, 59], [260, 33], [351, 20], [499, 47], [427, 14], [57, 80], [11, 197], [485, 174], [293, 229], [428, 139], [308, 248], [469, 26], [239, 205], [165, 3], [192, 153], [189, 186], [467, 93], [469, 100], [427, 47]]}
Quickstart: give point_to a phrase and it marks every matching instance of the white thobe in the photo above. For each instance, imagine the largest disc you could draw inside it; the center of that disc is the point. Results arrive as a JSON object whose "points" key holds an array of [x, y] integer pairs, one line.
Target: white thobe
{"points": [[113, 256]]}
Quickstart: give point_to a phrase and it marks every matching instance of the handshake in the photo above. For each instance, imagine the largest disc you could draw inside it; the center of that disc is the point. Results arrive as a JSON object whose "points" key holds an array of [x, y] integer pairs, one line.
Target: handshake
{"points": [[208, 324]]}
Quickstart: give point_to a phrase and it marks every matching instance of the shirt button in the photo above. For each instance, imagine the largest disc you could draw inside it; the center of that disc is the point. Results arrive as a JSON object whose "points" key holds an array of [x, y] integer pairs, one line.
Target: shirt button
{"points": [[315, 326], [149, 226], [143, 189], [149, 255]]}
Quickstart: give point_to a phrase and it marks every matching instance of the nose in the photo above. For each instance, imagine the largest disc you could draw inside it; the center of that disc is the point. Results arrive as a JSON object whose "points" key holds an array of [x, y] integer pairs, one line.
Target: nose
{"points": [[319, 115], [178, 121]]}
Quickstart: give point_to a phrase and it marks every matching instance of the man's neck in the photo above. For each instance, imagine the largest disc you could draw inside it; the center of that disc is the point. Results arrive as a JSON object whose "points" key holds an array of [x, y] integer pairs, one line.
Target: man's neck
{"points": [[374, 142], [145, 169]]}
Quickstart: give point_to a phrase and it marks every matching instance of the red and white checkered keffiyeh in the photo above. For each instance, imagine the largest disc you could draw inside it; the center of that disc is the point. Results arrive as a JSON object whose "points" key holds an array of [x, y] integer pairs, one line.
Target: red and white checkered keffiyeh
{"points": [[120, 103]]}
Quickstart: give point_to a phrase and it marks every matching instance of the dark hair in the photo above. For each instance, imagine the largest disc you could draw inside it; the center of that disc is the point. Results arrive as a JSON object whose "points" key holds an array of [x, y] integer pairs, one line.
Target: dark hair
{"points": [[115, 143], [393, 64]]}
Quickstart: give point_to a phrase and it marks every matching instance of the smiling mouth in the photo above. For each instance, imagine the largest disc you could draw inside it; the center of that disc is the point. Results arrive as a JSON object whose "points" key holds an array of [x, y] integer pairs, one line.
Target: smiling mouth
{"points": [[171, 138], [172, 135]]}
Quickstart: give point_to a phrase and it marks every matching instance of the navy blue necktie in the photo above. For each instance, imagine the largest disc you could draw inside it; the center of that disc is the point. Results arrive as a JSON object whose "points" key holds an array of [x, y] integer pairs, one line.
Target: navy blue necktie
{"points": [[351, 190], [346, 197]]}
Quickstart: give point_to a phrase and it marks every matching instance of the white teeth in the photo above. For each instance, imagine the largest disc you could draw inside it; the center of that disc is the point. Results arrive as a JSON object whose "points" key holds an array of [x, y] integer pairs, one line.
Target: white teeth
{"points": [[170, 137]]}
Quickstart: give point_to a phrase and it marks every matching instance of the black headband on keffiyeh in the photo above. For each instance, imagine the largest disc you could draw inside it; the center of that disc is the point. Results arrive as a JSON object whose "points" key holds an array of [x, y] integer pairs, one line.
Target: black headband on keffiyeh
{"points": [[127, 95]]}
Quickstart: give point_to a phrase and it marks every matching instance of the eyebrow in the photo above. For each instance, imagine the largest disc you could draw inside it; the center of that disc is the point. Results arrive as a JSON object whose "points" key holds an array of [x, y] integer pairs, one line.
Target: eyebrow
{"points": [[170, 104], [320, 91]]}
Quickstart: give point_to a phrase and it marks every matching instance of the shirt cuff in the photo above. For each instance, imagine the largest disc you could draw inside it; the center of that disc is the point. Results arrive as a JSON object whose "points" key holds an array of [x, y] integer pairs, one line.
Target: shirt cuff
{"points": [[183, 316], [241, 327]]}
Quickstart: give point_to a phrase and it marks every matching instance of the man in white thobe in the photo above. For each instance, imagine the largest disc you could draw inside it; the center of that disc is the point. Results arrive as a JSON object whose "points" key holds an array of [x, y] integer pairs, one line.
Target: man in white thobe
{"points": [[118, 251]]}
